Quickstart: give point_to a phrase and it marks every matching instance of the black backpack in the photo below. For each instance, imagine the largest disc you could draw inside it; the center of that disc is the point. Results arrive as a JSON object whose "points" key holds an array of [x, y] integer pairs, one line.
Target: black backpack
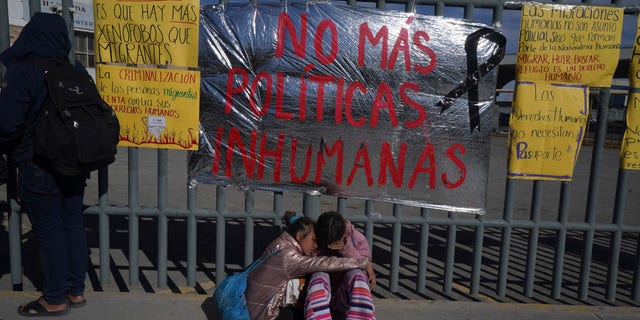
{"points": [[77, 131]]}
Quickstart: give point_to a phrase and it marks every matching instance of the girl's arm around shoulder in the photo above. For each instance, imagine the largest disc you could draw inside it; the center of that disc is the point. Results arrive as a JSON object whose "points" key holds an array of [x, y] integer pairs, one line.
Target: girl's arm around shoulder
{"points": [[299, 265]]}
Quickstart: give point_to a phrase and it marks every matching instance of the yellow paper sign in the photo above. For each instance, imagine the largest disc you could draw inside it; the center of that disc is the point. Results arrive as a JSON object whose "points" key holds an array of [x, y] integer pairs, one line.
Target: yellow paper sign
{"points": [[634, 61], [157, 108], [547, 126], [147, 32], [630, 150], [566, 43]]}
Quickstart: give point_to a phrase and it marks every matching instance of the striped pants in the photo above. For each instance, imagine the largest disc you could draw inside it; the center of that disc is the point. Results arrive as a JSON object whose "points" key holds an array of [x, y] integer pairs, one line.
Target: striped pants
{"points": [[341, 296]]}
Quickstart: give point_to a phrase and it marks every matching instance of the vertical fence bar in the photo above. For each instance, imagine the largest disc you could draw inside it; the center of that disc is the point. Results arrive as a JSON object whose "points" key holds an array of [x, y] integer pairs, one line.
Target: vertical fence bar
{"points": [[468, 11], [278, 204], [341, 206], [561, 241], [368, 229], [423, 253], [249, 227], [103, 187], [438, 10], [105, 269], [15, 250], [394, 267], [592, 196], [395, 248], [616, 237], [503, 269], [311, 204], [478, 246], [15, 229], [66, 14], [133, 249], [192, 236], [498, 13], [496, 19], [221, 200], [15, 254], [451, 254], [410, 6], [34, 6], [163, 232], [4, 33], [534, 234], [278, 208], [134, 241], [103, 203]]}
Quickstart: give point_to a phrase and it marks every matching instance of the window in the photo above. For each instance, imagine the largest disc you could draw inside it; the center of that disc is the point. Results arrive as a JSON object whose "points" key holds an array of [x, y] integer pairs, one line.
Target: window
{"points": [[84, 49]]}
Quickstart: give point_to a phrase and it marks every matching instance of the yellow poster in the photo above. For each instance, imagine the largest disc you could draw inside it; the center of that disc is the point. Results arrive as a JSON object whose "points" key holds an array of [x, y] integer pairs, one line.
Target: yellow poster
{"points": [[547, 126], [630, 151], [150, 32], [157, 108], [570, 44]]}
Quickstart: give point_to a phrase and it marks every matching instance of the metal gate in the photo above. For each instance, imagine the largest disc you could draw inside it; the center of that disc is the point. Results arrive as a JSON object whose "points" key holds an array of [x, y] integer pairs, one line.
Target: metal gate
{"points": [[558, 242]]}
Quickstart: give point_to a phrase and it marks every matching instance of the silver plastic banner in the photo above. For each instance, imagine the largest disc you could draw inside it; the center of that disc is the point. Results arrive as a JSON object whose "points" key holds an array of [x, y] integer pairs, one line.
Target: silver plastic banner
{"points": [[347, 101]]}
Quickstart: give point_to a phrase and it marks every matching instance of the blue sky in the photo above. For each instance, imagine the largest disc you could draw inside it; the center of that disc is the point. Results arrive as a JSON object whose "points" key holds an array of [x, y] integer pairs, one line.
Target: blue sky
{"points": [[510, 20]]}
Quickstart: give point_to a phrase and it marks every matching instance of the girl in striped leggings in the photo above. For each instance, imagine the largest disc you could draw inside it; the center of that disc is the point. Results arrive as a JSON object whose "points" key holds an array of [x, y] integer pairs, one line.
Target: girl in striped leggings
{"points": [[340, 295]]}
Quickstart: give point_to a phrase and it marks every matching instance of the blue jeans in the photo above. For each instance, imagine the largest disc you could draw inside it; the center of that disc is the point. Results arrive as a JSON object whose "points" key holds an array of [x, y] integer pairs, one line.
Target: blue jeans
{"points": [[54, 204]]}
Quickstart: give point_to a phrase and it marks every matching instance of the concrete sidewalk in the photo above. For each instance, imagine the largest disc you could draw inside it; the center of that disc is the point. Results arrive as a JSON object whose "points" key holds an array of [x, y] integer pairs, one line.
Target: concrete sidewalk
{"points": [[170, 306]]}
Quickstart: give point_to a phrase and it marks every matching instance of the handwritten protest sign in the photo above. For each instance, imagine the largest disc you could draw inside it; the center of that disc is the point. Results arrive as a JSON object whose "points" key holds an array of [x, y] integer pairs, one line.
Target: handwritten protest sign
{"points": [[630, 150], [546, 134], [347, 101], [147, 32], [562, 50], [156, 107], [565, 43]]}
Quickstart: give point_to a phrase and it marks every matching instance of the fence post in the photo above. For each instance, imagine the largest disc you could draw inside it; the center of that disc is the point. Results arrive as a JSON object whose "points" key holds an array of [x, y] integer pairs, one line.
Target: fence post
{"points": [[311, 205], [68, 18], [4, 32]]}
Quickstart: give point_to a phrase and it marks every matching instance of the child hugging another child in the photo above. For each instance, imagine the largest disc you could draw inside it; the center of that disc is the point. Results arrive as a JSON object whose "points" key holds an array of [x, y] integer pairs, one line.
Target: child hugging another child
{"points": [[266, 293]]}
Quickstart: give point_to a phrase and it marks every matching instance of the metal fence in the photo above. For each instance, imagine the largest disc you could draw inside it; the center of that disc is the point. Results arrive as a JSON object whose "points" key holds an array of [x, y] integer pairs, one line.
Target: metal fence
{"points": [[563, 242]]}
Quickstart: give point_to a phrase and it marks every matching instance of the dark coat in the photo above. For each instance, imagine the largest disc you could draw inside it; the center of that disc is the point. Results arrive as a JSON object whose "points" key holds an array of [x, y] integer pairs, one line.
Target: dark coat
{"points": [[24, 88]]}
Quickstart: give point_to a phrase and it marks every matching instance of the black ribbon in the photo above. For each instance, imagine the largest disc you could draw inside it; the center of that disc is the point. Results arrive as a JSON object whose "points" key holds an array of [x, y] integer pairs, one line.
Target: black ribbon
{"points": [[475, 72]]}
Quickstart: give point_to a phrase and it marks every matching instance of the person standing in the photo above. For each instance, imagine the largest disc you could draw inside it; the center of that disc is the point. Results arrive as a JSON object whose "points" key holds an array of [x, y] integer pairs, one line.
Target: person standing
{"points": [[53, 202]]}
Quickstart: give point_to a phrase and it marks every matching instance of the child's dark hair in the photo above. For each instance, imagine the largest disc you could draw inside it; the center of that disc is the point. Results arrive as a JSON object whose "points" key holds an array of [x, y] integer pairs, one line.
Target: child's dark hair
{"points": [[330, 228], [296, 224]]}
